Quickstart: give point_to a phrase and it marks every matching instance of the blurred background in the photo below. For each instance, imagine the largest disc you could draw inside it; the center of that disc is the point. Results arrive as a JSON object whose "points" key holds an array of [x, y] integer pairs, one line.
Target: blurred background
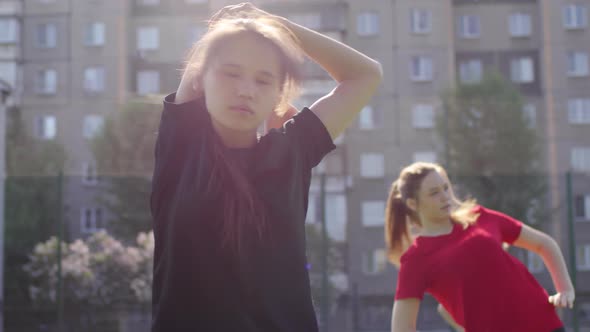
{"points": [[497, 91]]}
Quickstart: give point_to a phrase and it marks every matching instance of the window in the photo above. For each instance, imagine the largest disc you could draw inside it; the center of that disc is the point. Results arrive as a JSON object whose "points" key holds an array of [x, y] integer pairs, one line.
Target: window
{"points": [[580, 159], [425, 156], [45, 127], [577, 64], [579, 110], [470, 71], [309, 20], [148, 38], [372, 165], [420, 21], [94, 79], [90, 175], [148, 82], [522, 70], [91, 220], [369, 118], [8, 72], [9, 30], [534, 262], [520, 25], [530, 115], [423, 116], [95, 34], [93, 124], [46, 35], [373, 213], [421, 68], [374, 261], [582, 207], [367, 24], [46, 82], [336, 216], [583, 257], [469, 26], [575, 16]]}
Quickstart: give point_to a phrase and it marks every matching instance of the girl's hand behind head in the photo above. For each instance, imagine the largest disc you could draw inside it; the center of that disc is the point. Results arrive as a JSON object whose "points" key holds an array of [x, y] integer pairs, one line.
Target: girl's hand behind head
{"points": [[242, 10]]}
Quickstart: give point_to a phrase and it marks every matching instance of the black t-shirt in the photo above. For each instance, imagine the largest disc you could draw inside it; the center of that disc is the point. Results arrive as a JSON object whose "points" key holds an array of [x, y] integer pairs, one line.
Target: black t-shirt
{"points": [[198, 284]]}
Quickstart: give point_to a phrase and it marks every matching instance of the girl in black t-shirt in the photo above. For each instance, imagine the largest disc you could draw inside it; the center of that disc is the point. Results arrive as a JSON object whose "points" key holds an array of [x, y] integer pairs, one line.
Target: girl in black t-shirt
{"points": [[228, 205]]}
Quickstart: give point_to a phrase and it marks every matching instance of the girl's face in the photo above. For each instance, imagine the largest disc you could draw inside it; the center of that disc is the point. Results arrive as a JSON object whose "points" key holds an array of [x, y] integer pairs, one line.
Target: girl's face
{"points": [[434, 198], [242, 84]]}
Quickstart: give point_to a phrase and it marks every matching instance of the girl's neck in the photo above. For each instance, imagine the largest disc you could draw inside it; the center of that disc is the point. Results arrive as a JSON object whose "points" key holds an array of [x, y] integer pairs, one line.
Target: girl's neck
{"points": [[436, 228], [235, 139]]}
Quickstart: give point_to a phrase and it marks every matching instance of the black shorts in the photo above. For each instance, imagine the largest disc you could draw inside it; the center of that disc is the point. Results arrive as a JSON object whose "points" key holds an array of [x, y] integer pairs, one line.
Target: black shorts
{"points": [[561, 329]]}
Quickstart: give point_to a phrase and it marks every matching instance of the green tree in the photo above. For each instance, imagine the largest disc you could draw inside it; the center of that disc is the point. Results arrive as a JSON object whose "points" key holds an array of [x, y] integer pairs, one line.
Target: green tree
{"points": [[492, 153], [31, 215], [124, 153]]}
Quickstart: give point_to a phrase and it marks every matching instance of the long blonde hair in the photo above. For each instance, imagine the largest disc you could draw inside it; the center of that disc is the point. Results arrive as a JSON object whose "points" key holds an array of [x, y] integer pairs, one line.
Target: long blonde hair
{"points": [[242, 208], [398, 216]]}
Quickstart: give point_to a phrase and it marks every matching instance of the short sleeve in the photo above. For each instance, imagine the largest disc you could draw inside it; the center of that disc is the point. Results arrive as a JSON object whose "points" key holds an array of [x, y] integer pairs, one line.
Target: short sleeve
{"points": [[181, 127], [310, 137], [509, 227], [411, 279]]}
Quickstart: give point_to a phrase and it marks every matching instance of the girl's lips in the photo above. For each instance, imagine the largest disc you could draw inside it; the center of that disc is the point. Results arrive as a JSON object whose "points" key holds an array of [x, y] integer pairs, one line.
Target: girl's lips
{"points": [[242, 109]]}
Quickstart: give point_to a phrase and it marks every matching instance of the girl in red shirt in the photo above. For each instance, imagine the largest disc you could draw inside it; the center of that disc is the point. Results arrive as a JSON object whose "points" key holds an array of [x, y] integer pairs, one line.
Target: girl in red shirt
{"points": [[456, 255]]}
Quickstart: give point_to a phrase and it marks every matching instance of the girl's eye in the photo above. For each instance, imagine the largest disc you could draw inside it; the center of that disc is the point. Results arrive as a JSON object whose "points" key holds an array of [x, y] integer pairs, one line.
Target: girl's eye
{"points": [[231, 74], [263, 82]]}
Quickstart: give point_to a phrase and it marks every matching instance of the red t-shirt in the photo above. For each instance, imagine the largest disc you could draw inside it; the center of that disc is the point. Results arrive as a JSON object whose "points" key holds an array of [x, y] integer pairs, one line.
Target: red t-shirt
{"points": [[483, 287]]}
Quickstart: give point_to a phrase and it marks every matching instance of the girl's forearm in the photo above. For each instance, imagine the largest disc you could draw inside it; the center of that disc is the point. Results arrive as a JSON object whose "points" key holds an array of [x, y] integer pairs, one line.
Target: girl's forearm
{"points": [[339, 60], [553, 259]]}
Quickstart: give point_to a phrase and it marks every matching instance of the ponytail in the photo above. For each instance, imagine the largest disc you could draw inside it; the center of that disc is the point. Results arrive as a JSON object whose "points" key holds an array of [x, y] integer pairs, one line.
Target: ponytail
{"points": [[396, 227]]}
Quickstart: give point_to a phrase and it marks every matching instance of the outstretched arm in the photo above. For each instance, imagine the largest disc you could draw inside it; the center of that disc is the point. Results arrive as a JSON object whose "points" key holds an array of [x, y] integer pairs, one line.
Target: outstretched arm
{"points": [[404, 315]]}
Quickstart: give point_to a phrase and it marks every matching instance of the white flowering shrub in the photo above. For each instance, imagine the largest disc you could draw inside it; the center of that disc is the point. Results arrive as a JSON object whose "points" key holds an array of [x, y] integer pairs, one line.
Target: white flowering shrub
{"points": [[99, 271]]}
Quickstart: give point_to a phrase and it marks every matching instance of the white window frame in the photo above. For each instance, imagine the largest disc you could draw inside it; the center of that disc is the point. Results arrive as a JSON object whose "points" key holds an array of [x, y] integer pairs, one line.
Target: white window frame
{"points": [[93, 214], [578, 110], [367, 118], [89, 174], [421, 68], [423, 116], [46, 82], [577, 64], [530, 115], [367, 23], [585, 205], [374, 262], [9, 30], [153, 87], [471, 71], [95, 34], [148, 38], [373, 213], [94, 79], [45, 127], [372, 165], [520, 25], [469, 26], [580, 159], [420, 21], [92, 125], [46, 34], [522, 70], [583, 262], [575, 16]]}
